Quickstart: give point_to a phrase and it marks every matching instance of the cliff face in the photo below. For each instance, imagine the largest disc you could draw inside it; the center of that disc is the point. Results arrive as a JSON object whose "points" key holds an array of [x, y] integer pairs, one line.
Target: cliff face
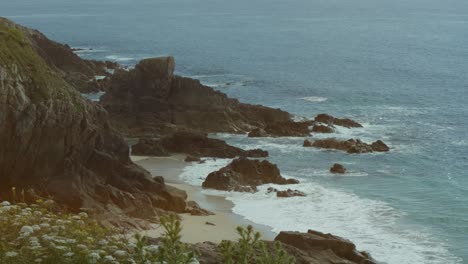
{"points": [[151, 99], [61, 145]]}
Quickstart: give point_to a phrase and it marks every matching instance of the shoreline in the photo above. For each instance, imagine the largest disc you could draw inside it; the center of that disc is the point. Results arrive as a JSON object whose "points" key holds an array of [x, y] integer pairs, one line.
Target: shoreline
{"points": [[195, 228]]}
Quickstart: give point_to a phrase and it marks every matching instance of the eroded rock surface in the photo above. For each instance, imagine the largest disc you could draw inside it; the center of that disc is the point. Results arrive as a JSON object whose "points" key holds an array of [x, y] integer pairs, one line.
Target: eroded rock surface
{"points": [[350, 145]]}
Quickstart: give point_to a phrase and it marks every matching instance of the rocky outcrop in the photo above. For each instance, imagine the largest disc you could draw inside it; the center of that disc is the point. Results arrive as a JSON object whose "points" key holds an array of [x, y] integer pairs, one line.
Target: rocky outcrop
{"points": [[338, 168], [322, 129], [283, 129], [62, 146], [194, 209], [61, 58], [330, 120], [150, 100], [194, 144], [350, 145], [307, 143], [244, 175], [317, 247]]}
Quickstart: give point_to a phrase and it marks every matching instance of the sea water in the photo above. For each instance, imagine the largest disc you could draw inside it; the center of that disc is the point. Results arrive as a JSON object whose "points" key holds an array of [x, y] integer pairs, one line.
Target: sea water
{"points": [[400, 67]]}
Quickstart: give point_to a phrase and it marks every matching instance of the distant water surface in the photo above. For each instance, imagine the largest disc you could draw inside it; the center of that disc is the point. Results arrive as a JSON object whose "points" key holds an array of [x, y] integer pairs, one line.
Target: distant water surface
{"points": [[398, 66]]}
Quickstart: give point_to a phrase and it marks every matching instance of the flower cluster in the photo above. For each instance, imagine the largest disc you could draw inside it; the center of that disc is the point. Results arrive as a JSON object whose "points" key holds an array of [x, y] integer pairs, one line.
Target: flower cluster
{"points": [[34, 234]]}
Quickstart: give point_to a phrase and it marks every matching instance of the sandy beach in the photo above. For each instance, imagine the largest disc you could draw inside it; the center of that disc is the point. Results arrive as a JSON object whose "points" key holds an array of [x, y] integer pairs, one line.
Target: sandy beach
{"points": [[196, 228]]}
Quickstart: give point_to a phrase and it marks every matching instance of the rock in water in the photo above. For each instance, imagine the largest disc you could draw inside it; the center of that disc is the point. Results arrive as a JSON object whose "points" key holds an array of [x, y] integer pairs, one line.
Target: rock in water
{"points": [[289, 193], [59, 144], [330, 120], [151, 99], [194, 144], [322, 129], [337, 168], [307, 143], [283, 129], [244, 175], [350, 145]]}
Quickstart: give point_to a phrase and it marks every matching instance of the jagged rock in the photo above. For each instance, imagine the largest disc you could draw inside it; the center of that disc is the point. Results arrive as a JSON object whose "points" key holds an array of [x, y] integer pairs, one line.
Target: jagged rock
{"points": [[289, 193], [243, 175], [330, 120], [196, 144], [284, 129], [147, 100], [194, 209], [190, 158], [380, 146], [313, 244], [61, 145], [307, 143], [149, 147], [322, 129], [350, 145], [337, 168]]}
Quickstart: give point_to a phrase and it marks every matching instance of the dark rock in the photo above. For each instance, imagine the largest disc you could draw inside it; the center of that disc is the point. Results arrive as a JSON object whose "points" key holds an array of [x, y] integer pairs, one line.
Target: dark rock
{"points": [[192, 158], [284, 129], [292, 181], [209, 223], [330, 120], [350, 145], [289, 193], [62, 146], [244, 175], [337, 168], [258, 132], [271, 189], [322, 129], [151, 99], [307, 143], [194, 209], [149, 147], [196, 144], [380, 146], [313, 242]]}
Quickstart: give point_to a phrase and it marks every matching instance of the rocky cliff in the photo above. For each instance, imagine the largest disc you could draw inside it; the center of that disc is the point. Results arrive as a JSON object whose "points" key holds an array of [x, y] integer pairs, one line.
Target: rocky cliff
{"points": [[151, 99], [61, 145]]}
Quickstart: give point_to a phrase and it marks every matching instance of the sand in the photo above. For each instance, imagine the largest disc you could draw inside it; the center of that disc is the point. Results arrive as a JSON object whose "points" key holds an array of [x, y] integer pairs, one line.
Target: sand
{"points": [[195, 228]]}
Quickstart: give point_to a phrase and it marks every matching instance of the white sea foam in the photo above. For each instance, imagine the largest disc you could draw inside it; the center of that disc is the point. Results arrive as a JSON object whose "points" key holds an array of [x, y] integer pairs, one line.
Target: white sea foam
{"points": [[372, 225], [118, 58], [196, 173], [316, 99]]}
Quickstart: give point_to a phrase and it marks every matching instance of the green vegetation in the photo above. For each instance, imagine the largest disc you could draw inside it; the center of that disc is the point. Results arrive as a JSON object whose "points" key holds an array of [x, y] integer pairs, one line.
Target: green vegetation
{"points": [[35, 234], [21, 62], [250, 249]]}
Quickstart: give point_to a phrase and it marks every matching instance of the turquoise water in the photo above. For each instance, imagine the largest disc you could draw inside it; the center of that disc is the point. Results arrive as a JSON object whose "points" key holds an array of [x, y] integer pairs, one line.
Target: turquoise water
{"points": [[398, 66]]}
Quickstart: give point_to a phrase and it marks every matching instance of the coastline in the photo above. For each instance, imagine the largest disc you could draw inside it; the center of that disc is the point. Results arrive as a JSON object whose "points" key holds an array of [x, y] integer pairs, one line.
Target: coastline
{"points": [[195, 229]]}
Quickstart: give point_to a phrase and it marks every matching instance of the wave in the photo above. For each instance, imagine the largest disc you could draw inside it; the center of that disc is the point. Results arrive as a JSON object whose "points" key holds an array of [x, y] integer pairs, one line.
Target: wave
{"points": [[315, 99], [119, 58]]}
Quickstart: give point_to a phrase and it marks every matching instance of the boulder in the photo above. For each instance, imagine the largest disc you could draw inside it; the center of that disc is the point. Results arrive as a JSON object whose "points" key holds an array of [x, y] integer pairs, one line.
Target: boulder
{"points": [[322, 129], [338, 168], [289, 193], [194, 209], [330, 120], [351, 145], [307, 143], [380, 146], [244, 175], [314, 243]]}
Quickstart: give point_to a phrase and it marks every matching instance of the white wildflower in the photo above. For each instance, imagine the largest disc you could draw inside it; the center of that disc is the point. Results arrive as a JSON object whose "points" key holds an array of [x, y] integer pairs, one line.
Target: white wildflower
{"points": [[61, 248], [44, 225], [76, 217], [103, 242], [82, 247], [69, 254], [131, 245], [120, 253], [11, 254], [70, 241], [94, 255], [83, 215], [36, 227], [26, 230], [109, 258], [38, 260], [152, 248], [5, 203]]}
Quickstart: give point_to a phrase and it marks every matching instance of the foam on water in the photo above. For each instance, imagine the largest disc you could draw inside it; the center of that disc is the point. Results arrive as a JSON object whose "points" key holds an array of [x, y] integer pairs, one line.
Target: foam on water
{"points": [[118, 58], [371, 225], [317, 99]]}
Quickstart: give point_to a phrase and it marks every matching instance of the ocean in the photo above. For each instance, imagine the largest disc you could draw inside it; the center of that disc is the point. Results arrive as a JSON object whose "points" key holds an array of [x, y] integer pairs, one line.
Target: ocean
{"points": [[400, 67]]}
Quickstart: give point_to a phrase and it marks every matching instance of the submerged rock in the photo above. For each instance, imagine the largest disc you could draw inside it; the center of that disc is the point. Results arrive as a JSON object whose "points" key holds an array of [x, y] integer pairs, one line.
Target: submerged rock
{"points": [[337, 168], [244, 175]]}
